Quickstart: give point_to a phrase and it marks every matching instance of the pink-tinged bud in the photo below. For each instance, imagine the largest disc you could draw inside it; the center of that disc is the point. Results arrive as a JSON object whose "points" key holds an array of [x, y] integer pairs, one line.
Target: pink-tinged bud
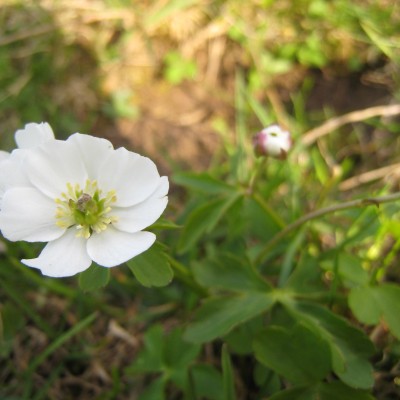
{"points": [[272, 141]]}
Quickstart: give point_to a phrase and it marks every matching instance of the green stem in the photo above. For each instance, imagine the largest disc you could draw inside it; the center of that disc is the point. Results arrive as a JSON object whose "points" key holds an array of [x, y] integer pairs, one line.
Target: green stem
{"points": [[370, 201]]}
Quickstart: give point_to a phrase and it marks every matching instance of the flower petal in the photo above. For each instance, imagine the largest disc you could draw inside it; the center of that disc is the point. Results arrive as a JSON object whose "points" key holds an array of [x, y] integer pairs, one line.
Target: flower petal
{"points": [[133, 177], [33, 135], [4, 155], [27, 214], [53, 164], [93, 151], [11, 174], [162, 189], [65, 256], [112, 247], [140, 216]]}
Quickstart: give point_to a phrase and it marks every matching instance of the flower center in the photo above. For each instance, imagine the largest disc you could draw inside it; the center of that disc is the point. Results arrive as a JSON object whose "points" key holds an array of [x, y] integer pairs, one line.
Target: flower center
{"points": [[85, 208]]}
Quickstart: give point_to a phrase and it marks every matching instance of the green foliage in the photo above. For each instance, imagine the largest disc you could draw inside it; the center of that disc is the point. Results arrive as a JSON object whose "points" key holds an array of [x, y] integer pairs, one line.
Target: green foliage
{"points": [[152, 268], [94, 278], [323, 391], [293, 353], [178, 68], [173, 360], [371, 304]]}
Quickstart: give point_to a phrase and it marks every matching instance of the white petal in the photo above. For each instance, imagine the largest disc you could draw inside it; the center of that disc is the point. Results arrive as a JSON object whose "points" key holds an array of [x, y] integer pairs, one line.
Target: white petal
{"points": [[140, 216], [65, 256], [133, 177], [162, 189], [27, 214], [54, 164], [93, 151], [11, 174], [33, 135], [112, 247], [11, 170], [273, 145], [4, 155]]}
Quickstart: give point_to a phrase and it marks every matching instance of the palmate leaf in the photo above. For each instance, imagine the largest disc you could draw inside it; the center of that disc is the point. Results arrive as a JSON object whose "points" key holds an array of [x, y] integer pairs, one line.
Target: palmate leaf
{"points": [[219, 315], [207, 382], [152, 268], [371, 304], [155, 391], [166, 354], [150, 358], [323, 391], [298, 353], [227, 271], [321, 339], [350, 347], [261, 220]]}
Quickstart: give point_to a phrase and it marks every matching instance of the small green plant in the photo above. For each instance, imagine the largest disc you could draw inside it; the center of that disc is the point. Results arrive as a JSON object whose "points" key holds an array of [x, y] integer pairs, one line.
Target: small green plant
{"points": [[178, 68]]}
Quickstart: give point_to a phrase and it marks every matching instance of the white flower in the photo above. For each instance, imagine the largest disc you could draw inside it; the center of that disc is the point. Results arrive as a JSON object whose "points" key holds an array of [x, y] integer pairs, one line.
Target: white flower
{"points": [[272, 141], [28, 138], [87, 200]]}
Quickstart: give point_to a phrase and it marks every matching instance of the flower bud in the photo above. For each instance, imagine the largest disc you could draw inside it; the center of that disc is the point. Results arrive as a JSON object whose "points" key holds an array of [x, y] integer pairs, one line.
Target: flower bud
{"points": [[272, 141]]}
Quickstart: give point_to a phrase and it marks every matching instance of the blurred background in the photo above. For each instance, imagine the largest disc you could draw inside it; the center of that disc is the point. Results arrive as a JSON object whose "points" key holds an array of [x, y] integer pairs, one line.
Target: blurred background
{"points": [[153, 74]]}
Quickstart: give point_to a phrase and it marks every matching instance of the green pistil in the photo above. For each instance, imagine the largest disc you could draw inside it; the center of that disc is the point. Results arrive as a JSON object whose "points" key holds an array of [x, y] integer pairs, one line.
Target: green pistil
{"points": [[86, 209]]}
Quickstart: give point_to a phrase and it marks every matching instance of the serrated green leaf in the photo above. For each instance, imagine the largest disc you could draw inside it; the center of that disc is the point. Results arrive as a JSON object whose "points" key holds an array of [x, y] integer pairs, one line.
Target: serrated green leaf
{"points": [[203, 183], [238, 339], [323, 391], [178, 353], [226, 271], [150, 358], [364, 305], [207, 382], [178, 357], [155, 391], [298, 393], [370, 304], [152, 267], [298, 353], [94, 277], [261, 221], [306, 277], [218, 316], [339, 391], [350, 347], [204, 219]]}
